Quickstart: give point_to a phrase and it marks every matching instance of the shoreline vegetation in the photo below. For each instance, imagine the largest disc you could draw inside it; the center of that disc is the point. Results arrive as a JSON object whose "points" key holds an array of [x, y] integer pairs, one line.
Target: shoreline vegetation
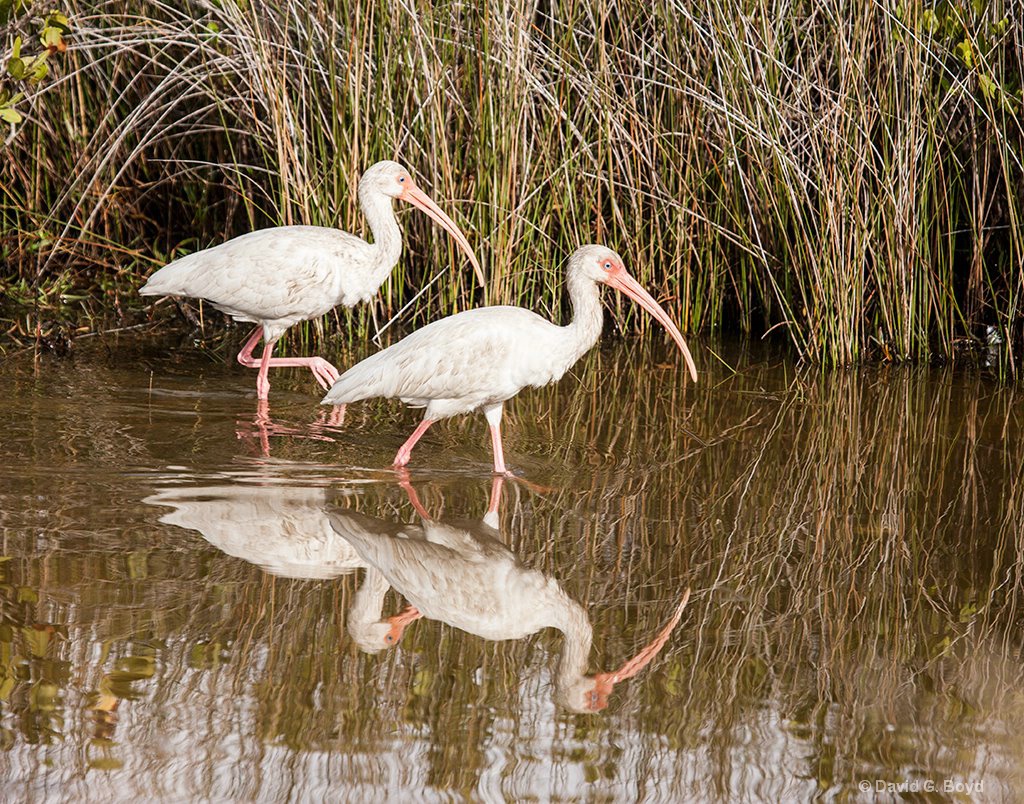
{"points": [[848, 178]]}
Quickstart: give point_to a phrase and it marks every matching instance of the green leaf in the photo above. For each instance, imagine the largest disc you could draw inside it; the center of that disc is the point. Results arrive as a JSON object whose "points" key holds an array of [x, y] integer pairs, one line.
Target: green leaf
{"points": [[39, 70], [11, 116], [930, 21], [16, 68], [55, 18], [51, 37], [16, 50], [965, 53], [988, 87]]}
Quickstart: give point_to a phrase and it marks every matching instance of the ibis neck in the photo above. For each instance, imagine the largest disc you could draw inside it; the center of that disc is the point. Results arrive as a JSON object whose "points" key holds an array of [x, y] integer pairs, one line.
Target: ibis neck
{"points": [[572, 621], [587, 316], [387, 236], [369, 598]]}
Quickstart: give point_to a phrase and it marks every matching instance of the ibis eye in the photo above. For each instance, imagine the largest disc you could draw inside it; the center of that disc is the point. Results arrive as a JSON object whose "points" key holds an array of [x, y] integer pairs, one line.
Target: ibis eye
{"points": [[607, 266], [389, 638], [401, 179]]}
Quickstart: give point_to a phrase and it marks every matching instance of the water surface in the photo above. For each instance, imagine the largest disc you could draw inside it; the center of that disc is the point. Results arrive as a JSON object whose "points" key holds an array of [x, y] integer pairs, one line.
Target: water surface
{"points": [[176, 608]]}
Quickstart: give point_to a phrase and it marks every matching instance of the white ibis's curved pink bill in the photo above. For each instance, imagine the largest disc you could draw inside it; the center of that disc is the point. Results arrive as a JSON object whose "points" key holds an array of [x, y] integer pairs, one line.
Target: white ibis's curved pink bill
{"points": [[415, 196], [620, 280], [604, 682]]}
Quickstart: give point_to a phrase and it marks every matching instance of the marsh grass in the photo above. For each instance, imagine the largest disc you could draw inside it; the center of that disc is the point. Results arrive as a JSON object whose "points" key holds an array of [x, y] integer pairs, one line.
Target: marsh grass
{"points": [[845, 177]]}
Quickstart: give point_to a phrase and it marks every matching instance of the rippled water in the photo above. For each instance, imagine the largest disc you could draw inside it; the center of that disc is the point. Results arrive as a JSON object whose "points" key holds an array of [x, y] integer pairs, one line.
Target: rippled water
{"points": [[196, 596]]}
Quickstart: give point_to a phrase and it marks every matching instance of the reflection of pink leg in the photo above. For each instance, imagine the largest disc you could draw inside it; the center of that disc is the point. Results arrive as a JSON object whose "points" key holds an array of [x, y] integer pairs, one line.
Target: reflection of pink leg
{"points": [[399, 622], [336, 417], [495, 502], [414, 498], [491, 518], [263, 423], [402, 458], [265, 427], [323, 372]]}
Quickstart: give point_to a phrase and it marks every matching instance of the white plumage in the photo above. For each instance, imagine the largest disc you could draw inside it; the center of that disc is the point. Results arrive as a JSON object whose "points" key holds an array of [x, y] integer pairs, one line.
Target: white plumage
{"points": [[479, 358], [283, 529], [280, 276], [243, 277]]}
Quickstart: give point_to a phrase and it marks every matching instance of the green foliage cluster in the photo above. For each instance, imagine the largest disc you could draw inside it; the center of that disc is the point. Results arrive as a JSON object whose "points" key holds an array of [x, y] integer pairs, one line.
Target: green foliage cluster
{"points": [[21, 68], [844, 176]]}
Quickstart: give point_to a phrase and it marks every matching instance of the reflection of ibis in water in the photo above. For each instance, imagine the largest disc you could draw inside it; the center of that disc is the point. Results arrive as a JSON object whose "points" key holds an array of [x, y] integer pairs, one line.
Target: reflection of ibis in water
{"points": [[283, 529], [463, 575]]}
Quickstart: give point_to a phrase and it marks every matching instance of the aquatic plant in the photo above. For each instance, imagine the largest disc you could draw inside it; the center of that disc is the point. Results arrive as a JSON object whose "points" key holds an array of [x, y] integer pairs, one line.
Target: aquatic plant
{"points": [[847, 178]]}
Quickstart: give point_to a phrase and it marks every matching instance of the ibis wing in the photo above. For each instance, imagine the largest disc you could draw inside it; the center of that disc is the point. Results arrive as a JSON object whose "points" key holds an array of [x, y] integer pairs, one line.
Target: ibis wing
{"points": [[288, 272], [475, 354]]}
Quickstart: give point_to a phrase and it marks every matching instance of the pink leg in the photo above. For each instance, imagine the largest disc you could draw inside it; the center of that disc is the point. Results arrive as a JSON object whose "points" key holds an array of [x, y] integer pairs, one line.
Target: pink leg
{"points": [[493, 415], [499, 455], [263, 379], [246, 359], [323, 372], [245, 356], [402, 458]]}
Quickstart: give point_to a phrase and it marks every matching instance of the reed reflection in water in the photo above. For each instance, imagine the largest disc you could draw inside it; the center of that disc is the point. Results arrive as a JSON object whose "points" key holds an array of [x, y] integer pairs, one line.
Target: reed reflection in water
{"points": [[852, 541]]}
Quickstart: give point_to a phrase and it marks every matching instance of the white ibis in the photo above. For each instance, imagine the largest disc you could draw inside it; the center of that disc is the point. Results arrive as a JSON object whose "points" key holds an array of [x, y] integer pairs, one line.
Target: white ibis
{"points": [[280, 276], [479, 358], [463, 574]]}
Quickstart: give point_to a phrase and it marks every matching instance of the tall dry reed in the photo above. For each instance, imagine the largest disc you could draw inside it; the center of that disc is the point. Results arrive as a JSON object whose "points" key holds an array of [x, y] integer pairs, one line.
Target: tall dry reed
{"points": [[846, 176]]}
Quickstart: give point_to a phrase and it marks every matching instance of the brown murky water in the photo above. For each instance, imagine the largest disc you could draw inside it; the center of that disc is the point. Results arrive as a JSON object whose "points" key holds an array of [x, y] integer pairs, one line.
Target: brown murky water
{"points": [[192, 595]]}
